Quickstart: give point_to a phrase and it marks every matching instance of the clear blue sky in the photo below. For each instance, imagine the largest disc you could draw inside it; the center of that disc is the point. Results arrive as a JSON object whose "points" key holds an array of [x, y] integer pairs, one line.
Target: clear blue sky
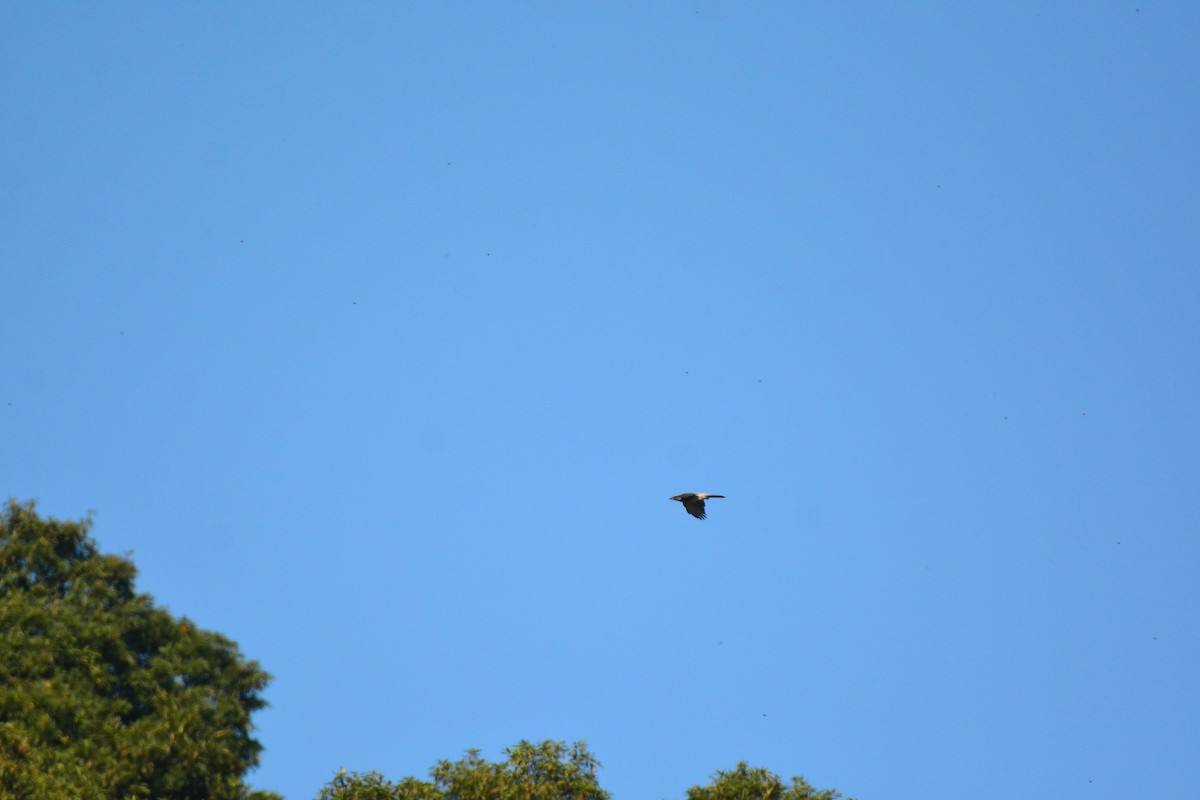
{"points": [[381, 334]]}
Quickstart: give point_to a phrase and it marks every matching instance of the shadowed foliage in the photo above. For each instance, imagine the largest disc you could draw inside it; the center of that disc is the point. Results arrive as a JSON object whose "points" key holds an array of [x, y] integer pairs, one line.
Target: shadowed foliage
{"points": [[103, 694]]}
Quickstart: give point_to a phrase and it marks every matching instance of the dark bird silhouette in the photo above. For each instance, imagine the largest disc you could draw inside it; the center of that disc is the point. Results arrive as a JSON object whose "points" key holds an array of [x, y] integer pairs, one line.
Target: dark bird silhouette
{"points": [[693, 502]]}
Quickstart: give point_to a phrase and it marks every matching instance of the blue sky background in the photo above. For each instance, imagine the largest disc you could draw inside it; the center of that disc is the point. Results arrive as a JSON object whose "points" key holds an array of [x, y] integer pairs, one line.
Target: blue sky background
{"points": [[381, 334]]}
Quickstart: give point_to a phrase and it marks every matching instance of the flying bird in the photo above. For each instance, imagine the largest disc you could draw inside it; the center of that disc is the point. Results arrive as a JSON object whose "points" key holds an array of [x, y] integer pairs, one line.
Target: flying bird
{"points": [[693, 502]]}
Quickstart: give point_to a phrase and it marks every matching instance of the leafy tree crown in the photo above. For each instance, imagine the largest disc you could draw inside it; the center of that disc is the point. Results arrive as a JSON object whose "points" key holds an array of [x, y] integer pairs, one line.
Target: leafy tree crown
{"points": [[102, 693]]}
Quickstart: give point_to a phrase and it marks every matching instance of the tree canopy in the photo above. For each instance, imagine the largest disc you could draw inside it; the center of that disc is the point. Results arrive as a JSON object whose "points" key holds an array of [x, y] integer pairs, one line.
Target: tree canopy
{"points": [[551, 771], [102, 693], [546, 771], [756, 783]]}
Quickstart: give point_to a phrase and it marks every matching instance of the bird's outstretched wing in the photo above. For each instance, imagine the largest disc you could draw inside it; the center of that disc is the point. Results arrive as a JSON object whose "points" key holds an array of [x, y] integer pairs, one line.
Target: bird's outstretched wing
{"points": [[695, 507]]}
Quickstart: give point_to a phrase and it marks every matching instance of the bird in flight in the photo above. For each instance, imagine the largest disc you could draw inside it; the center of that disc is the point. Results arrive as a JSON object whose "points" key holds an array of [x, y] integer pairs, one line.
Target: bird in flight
{"points": [[693, 502]]}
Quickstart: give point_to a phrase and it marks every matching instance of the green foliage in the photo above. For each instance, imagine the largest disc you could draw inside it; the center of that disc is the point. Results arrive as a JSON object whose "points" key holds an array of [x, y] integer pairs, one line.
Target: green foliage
{"points": [[546, 771], [373, 786], [756, 783], [551, 771], [102, 694]]}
